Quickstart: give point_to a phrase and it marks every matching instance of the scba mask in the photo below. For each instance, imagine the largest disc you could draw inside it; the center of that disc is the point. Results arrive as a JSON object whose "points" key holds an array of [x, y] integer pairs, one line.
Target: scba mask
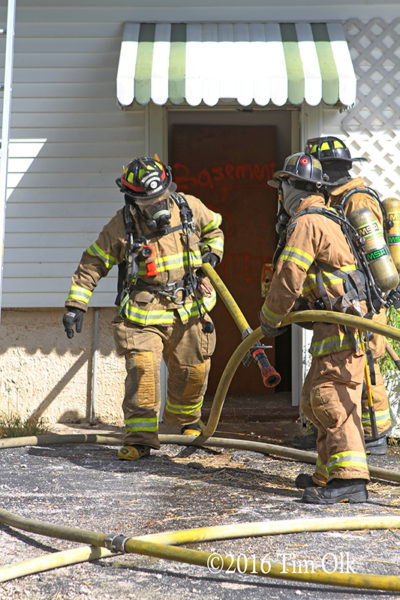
{"points": [[157, 214]]}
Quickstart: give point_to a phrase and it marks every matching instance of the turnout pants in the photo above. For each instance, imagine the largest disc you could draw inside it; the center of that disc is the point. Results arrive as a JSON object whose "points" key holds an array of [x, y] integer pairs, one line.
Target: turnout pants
{"points": [[379, 395], [187, 351], [331, 400]]}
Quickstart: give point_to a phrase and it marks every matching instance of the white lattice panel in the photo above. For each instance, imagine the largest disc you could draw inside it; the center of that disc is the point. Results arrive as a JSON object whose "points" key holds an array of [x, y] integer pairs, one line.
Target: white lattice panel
{"points": [[373, 124]]}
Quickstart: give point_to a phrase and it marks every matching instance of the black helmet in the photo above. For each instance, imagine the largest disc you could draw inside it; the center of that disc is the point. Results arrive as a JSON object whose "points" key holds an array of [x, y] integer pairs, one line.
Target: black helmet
{"points": [[301, 166], [146, 178], [329, 148]]}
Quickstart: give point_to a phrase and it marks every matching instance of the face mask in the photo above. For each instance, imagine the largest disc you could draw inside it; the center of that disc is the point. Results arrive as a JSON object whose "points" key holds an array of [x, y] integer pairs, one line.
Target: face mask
{"points": [[156, 214], [291, 197]]}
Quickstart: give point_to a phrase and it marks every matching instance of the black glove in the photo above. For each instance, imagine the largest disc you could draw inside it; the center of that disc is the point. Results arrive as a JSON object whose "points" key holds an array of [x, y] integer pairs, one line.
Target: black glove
{"points": [[73, 315], [269, 331], [393, 298], [210, 257]]}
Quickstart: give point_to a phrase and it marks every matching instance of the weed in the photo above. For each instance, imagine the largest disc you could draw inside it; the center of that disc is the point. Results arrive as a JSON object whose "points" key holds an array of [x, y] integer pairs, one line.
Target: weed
{"points": [[386, 364], [17, 427]]}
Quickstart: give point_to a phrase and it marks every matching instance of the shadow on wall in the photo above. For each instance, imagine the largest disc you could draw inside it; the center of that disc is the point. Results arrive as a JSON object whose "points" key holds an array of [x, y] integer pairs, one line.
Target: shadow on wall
{"points": [[41, 330], [43, 372], [59, 387]]}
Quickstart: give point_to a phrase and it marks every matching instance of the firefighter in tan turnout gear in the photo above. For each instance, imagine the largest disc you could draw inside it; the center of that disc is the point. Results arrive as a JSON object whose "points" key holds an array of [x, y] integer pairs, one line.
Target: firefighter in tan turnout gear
{"points": [[159, 240], [317, 260], [336, 162]]}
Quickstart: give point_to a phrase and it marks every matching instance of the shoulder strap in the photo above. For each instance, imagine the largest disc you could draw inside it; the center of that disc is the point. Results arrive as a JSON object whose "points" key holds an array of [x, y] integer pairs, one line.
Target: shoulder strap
{"points": [[369, 192], [128, 268], [185, 211], [128, 221], [320, 210]]}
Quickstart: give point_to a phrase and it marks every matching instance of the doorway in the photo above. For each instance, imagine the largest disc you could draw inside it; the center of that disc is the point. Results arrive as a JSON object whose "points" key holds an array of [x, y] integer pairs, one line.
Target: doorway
{"points": [[226, 159]]}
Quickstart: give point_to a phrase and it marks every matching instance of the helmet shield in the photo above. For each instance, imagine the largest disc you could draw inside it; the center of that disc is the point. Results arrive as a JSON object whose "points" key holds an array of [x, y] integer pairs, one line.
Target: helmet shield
{"points": [[146, 178], [329, 148]]}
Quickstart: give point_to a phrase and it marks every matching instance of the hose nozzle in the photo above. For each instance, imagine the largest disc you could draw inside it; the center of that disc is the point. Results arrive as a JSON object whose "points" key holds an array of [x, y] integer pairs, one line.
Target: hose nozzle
{"points": [[270, 376]]}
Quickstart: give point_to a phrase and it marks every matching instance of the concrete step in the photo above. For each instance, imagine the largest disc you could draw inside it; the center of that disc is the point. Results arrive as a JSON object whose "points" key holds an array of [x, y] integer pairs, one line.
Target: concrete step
{"points": [[255, 408]]}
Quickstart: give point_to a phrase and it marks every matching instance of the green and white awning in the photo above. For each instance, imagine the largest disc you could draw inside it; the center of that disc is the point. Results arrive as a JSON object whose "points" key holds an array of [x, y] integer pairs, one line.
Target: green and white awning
{"points": [[249, 63]]}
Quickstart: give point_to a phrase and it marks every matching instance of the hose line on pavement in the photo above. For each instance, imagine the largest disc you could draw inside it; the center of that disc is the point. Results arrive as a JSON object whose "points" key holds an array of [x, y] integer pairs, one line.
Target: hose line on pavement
{"points": [[185, 440], [53, 560], [163, 545]]}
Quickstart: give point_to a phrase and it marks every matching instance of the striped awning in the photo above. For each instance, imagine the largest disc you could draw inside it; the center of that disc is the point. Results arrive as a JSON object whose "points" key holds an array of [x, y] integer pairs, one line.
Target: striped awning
{"points": [[258, 63]]}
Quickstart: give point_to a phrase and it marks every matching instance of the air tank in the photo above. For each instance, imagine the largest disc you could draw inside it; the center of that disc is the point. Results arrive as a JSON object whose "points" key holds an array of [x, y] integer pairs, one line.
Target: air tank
{"points": [[392, 207], [376, 250]]}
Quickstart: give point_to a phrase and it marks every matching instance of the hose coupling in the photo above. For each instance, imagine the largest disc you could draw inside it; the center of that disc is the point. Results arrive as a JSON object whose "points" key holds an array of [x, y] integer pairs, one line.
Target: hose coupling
{"points": [[116, 543]]}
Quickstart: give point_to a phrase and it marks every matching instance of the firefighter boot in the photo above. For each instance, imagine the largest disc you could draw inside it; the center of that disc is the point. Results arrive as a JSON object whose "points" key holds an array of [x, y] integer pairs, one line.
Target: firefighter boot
{"points": [[304, 480], [191, 429], [337, 490], [378, 446], [133, 452]]}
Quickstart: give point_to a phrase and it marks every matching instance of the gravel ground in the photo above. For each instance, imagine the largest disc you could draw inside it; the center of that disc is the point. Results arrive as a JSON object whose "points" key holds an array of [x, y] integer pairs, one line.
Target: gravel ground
{"points": [[85, 486]]}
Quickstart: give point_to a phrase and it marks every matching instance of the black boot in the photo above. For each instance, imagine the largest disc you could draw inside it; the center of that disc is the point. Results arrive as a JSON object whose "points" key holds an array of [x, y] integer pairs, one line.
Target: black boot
{"points": [[337, 490], [304, 480], [378, 446]]}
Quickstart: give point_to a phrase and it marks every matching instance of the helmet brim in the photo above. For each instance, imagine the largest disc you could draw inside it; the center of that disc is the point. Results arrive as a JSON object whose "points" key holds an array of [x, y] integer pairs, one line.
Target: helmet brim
{"points": [[279, 175], [357, 159], [273, 183]]}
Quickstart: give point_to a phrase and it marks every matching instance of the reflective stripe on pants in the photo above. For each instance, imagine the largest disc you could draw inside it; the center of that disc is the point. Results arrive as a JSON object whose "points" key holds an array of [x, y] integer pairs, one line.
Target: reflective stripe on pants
{"points": [[186, 350], [331, 399]]}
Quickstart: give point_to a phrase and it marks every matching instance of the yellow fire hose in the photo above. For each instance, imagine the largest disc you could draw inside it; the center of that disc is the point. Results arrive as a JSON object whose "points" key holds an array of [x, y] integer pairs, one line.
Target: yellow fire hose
{"points": [[270, 375], [305, 316], [184, 440], [163, 545]]}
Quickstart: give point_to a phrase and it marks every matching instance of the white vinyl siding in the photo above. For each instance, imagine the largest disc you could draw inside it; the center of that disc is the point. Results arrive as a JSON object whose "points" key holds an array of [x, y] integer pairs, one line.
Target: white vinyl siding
{"points": [[69, 139], [68, 142]]}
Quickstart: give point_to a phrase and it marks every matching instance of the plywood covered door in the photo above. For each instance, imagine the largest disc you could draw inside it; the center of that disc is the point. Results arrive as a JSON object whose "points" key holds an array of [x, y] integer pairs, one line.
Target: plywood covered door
{"points": [[227, 167]]}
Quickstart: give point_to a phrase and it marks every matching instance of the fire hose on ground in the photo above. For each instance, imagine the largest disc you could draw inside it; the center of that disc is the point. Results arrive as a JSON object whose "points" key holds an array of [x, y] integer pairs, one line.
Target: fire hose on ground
{"points": [[164, 545]]}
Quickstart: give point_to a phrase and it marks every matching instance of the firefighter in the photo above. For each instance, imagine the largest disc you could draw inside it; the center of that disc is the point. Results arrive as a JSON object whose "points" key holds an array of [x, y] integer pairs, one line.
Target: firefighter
{"points": [[336, 162], [317, 257], [159, 240]]}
